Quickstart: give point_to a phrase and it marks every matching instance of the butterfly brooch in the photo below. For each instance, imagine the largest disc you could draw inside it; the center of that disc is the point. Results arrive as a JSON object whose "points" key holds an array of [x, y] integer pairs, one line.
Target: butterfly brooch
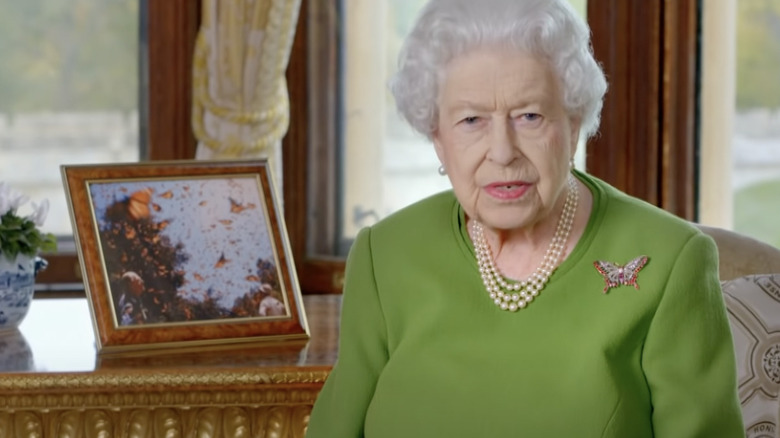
{"points": [[616, 275]]}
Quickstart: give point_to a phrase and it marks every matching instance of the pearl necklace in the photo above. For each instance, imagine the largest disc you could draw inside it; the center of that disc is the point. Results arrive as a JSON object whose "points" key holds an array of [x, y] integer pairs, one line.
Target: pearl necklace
{"points": [[515, 296]]}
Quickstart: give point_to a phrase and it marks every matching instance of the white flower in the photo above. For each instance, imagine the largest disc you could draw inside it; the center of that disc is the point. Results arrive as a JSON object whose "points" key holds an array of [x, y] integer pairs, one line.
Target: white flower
{"points": [[5, 202], [40, 212], [10, 199]]}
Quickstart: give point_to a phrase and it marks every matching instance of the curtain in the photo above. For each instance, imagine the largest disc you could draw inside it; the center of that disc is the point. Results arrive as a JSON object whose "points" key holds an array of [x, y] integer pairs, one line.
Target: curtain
{"points": [[240, 101]]}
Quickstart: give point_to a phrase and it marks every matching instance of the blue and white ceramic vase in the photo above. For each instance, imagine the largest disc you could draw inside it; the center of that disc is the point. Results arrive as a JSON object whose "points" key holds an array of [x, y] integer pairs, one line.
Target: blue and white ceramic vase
{"points": [[17, 285]]}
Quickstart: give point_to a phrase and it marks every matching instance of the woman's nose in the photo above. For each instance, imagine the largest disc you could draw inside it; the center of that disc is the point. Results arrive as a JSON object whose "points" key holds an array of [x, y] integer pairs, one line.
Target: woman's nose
{"points": [[502, 147]]}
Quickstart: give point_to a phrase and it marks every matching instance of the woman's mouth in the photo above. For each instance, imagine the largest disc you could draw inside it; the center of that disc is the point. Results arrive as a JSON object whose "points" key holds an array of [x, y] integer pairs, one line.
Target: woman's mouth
{"points": [[507, 190]]}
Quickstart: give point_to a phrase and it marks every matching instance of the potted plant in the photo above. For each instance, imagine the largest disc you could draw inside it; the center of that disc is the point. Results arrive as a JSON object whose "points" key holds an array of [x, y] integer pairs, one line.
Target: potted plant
{"points": [[21, 241]]}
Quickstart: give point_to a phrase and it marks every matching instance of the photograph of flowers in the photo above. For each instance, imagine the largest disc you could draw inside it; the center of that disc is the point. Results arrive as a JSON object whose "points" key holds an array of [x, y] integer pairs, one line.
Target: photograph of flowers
{"points": [[183, 253]]}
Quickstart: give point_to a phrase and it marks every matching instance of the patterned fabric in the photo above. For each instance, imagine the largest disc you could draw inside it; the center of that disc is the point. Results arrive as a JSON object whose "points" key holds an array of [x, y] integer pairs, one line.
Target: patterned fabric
{"points": [[753, 304]]}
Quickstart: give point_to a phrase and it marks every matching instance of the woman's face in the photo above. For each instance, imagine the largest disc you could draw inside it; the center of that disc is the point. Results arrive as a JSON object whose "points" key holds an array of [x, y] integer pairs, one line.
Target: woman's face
{"points": [[504, 136]]}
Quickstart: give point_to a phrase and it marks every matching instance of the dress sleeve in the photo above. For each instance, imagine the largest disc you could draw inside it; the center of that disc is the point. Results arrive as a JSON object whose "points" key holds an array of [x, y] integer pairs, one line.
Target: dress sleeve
{"points": [[688, 356], [340, 408]]}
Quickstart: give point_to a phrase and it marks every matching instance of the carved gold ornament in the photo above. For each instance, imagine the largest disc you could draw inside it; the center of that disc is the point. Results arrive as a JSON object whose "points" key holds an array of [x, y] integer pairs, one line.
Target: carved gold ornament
{"points": [[205, 404]]}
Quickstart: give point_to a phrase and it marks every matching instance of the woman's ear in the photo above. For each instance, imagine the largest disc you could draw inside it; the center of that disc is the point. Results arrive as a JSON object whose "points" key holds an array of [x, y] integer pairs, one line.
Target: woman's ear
{"points": [[437, 146], [576, 124]]}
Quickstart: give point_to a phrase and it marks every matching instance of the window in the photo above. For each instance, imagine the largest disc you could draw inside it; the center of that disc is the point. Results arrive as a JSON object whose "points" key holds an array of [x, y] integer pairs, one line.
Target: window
{"points": [[755, 145], [383, 165], [151, 75], [741, 118], [633, 151], [66, 96]]}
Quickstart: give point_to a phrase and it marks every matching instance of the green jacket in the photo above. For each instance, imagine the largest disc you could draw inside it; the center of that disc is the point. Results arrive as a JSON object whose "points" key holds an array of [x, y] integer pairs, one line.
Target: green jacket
{"points": [[424, 352]]}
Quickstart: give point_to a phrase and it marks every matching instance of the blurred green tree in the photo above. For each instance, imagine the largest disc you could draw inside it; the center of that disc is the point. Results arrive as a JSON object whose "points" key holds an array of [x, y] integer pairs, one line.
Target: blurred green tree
{"points": [[63, 55], [756, 210], [758, 54]]}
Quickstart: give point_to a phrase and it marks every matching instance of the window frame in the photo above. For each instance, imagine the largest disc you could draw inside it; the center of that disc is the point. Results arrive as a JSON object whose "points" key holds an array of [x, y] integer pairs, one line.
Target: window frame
{"points": [[648, 145]]}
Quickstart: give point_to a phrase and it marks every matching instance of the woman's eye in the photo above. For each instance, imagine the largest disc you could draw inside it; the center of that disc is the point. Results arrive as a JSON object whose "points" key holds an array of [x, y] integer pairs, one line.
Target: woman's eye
{"points": [[471, 120], [531, 117]]}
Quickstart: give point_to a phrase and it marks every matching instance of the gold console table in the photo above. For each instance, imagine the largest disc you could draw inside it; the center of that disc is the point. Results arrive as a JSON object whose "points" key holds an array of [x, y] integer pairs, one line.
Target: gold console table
{"points": [[53, 384]]}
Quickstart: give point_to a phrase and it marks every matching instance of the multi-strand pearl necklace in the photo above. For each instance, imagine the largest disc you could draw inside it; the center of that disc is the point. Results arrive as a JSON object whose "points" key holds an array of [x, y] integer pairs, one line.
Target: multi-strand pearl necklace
{"points": [[515, 296]]}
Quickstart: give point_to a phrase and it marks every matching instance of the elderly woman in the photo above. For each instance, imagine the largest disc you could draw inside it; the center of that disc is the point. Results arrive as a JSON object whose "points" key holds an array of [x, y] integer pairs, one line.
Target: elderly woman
{"points": [[532, 299]]}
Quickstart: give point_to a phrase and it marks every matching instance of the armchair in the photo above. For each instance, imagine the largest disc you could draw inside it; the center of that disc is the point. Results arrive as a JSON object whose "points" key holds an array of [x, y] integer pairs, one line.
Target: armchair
{"points": [[750, 279], [742, 255]]}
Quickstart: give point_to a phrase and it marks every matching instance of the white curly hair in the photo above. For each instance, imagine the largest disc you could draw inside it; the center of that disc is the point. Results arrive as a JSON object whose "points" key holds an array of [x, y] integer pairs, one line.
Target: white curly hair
{"points": [[551, 29]]}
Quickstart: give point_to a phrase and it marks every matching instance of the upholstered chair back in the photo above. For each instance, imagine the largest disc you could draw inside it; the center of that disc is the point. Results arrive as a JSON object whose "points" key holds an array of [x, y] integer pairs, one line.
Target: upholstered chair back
{"points": [[742, 255], [750, 279]]}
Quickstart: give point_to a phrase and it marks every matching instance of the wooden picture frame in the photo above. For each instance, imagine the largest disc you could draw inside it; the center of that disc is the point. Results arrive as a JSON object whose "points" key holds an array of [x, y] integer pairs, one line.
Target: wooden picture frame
{"points": [[183, 253]]}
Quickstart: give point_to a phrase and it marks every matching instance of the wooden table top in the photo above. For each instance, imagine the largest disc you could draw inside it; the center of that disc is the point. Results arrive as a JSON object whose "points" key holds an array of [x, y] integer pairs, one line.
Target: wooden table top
{"points": [[57, 337]]}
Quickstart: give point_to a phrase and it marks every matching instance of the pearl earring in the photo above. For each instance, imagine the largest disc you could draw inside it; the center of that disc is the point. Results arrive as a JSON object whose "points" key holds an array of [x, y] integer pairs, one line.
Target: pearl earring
{"points": [[442, 170]]}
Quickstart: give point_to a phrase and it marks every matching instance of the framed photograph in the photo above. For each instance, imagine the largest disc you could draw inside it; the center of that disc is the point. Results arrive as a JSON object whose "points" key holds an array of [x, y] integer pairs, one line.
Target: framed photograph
{"points": [[183, 254]]}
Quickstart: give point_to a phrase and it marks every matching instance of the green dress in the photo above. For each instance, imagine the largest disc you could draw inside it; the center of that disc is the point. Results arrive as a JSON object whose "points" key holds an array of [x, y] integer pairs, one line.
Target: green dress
{"points": [[424, 352]]}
